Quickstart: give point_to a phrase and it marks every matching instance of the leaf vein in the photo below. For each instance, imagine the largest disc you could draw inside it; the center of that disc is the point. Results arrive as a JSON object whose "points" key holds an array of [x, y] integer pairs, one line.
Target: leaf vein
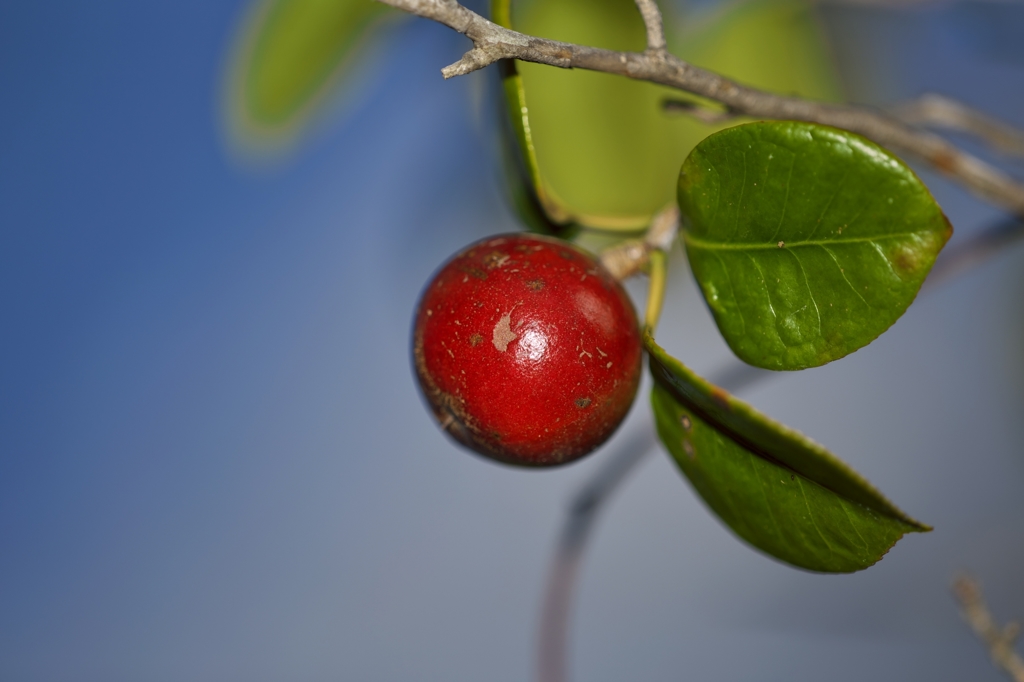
{"points": [[785, 201], [810, 291], [765, 246], [843, 273], [888, 262], [768, 294], [764, 494], [732, 290], [739, 202], [810, 515], [843, 505], [839, 188]]}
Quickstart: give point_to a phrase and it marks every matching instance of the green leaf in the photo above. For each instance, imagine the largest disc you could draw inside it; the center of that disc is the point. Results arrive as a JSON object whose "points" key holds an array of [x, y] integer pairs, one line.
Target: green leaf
{"points": [[598, 150], [778, 490], [289, 57], [808, 242]]}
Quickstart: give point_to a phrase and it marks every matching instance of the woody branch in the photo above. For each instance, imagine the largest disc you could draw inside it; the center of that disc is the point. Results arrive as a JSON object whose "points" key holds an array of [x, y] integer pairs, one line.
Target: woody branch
{"points": [[492, 42]]}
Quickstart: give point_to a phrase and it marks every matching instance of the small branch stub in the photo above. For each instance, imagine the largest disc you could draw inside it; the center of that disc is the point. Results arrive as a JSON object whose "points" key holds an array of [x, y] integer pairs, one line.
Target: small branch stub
{"points": [[653, 23], [628, 257], [998, 641]]}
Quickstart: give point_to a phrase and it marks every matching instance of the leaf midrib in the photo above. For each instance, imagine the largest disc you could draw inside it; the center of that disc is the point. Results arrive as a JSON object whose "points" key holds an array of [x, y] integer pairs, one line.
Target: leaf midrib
{"points": [[745, 246], [879, 504]]}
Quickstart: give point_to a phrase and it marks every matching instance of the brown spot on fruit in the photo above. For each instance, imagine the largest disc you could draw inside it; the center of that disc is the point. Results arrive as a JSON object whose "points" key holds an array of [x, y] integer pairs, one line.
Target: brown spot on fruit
{"points": [[582, 402], [535, 284], [503, 334], [495, 259], [475, 339], [471, 271]]}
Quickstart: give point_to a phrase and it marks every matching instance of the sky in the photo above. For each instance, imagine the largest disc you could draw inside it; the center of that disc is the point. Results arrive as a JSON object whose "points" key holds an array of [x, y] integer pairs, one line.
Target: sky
{"points": [[214, 463]]}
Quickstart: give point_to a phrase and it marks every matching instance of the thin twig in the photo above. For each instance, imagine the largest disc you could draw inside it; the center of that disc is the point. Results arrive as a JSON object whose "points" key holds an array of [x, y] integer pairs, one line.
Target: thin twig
{"points": [[999, 641], [653, 24], [492, 42], [974, 251], [941, 112]]}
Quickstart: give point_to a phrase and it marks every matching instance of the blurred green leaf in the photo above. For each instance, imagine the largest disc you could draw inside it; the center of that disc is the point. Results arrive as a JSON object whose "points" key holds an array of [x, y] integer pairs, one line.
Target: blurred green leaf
{"points": [[775, 488], [808, 242], [290, 56], [598, 149]]}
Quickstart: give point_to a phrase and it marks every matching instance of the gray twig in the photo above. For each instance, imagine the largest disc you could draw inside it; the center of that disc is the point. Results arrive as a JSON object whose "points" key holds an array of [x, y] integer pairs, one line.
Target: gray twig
{"points": [[999, 641], [652, 22], [973, 251], [492, 42], [941, 112]]}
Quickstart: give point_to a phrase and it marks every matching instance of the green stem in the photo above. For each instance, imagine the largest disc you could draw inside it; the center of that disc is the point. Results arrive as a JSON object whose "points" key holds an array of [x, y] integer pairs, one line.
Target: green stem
{"points": [[631, 231], [656, 290]]}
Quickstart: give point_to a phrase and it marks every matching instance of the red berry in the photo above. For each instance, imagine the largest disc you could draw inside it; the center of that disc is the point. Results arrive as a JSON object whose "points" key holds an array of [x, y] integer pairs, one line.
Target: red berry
{"points": [[527, 350]]}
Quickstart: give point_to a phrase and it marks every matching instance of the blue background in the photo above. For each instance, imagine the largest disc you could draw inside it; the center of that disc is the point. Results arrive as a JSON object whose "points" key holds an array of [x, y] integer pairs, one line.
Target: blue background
{"points": [[214, 464]]}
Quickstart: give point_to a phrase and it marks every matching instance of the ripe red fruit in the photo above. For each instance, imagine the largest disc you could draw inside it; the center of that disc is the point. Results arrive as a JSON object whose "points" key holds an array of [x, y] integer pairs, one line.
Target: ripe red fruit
{"points": [[527, 350]]}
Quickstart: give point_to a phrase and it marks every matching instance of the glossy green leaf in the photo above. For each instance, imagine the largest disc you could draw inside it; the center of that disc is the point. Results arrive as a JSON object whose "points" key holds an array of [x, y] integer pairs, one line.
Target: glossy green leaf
{"points": [[808, 242], [776, 489], [290, 56], [599, 150]]}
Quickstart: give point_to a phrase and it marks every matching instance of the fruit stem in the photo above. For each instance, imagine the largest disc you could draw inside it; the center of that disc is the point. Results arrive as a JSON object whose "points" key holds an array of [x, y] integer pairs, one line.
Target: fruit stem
{"points": [[656, 291], [625, 259], [630, 256], [663, 229]]}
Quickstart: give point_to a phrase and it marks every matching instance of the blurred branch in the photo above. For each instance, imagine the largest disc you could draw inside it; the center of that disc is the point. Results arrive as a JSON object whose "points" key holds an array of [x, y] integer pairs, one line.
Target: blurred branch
{"points": [[998, 641], [556, 612], [974, 251], [735, 376], [883, 3], [554, 625], [941, 112], [492, 42]]}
